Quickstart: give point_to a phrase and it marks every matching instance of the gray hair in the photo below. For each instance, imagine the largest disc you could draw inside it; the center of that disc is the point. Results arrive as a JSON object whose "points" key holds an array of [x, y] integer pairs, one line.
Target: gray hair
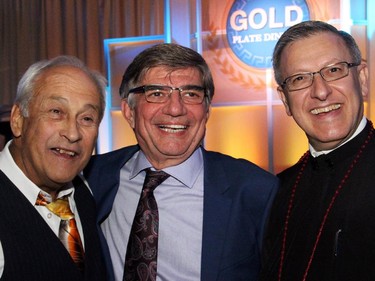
{"points": [[26, 85], [172, 56], [304, 30]]}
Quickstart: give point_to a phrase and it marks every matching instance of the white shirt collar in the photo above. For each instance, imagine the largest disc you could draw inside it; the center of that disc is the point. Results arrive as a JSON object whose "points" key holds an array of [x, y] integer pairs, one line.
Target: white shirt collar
{"points": [[186, 172]]}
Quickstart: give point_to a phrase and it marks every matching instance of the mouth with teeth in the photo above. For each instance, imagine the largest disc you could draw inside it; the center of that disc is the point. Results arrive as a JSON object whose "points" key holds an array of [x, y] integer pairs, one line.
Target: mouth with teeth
{"points": [[65, 152], [173, 128], [317, 111]]}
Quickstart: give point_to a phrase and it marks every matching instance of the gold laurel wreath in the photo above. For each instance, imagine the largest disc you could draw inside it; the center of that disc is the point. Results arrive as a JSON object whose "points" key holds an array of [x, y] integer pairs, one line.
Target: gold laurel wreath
{"points": [[246, 81]]}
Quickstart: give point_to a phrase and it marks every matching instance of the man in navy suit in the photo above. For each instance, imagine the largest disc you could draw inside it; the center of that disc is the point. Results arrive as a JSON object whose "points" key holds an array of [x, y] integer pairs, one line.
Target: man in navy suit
{"points": [[212, 209]]}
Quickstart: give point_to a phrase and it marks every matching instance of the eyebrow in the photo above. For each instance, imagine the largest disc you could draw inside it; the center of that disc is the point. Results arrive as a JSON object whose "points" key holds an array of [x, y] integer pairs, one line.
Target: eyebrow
{"points": [[66, 102], [181, 86]]}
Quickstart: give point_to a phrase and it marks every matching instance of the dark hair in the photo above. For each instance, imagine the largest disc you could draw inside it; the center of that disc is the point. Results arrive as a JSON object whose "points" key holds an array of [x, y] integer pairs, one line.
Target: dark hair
{"points": [[304, 30], [25, 89], [172, 56]]}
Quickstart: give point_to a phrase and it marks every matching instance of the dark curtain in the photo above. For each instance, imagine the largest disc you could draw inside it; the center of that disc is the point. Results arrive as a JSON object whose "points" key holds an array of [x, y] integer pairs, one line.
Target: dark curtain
{"points": [[32, 30]]}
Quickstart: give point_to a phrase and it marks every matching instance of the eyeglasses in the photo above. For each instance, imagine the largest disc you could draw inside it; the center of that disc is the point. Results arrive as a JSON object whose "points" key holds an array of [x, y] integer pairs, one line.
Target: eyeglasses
{"points": [[190, 94], [329, 73]]}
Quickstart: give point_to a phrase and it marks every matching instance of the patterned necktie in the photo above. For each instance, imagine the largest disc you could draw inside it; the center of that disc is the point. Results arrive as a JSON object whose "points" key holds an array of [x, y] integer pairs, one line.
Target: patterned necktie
{"points": [[142, 250], [68, 232]]}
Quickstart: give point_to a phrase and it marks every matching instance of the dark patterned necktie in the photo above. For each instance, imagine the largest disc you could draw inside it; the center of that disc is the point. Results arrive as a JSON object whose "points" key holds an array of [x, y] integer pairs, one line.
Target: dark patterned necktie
{"points": [[142, 250], [68, 231]]}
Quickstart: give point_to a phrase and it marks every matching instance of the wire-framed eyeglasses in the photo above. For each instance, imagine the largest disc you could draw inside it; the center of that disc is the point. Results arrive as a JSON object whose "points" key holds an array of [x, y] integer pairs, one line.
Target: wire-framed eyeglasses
{"points": [[190, 94], [329, 73]]}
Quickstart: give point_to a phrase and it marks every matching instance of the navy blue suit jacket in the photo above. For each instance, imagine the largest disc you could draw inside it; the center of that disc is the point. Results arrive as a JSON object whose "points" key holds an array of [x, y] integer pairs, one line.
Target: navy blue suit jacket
{"points": [[237, 197]]}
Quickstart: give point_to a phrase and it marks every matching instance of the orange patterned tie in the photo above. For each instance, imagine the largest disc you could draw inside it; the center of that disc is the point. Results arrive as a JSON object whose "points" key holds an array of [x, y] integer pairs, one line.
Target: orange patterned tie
{"points": [[68, 232]]}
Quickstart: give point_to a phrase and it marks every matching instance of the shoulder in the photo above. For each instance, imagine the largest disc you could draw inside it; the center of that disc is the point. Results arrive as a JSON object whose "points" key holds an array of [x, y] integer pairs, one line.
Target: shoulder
{"points": [[290, 172], [235, 165], [111, 159], [115, 154], [232, 164]]}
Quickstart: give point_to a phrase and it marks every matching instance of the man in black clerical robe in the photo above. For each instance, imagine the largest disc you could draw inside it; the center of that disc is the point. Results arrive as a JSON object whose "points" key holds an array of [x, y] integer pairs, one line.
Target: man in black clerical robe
{"points": [[322, 226]]}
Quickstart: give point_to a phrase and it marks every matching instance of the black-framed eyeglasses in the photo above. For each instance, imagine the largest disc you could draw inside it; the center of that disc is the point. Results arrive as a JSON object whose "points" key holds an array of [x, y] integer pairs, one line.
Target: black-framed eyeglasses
{"points": [[329, 73], [190, 94]]}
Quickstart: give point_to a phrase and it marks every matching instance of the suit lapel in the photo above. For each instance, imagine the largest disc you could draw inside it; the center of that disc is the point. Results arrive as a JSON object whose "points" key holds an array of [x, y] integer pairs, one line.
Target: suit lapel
{"points": [[107, 180], [215, 217]]}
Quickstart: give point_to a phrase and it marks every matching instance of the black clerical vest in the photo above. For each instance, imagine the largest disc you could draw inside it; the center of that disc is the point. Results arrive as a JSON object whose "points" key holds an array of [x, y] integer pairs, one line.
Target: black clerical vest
{"points": [[346, 247]]}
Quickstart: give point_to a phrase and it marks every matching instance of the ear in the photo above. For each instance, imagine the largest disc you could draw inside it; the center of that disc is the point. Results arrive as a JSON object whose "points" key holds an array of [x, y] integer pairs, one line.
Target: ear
{"points": [[16, 121], [208, 113], [363, 79], [284, 99], [128, 113]]}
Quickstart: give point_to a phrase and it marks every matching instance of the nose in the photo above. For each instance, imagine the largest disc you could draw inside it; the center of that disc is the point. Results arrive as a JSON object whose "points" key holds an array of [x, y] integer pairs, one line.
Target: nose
{"points": [[71, 130], [175, 106], [320, 88]]}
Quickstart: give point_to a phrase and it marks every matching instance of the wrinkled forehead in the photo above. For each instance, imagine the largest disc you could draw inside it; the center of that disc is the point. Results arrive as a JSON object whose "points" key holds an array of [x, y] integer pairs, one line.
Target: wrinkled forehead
{"points": [[167, 73]]}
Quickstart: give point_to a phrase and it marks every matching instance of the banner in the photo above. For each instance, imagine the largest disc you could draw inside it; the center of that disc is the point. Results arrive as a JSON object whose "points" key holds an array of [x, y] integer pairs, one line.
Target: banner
{"points": [[238, 41]]}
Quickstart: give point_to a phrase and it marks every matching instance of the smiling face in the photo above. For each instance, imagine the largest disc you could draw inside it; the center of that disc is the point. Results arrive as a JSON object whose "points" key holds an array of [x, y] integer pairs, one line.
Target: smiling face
{"points": [[54, 143], [167, 133], [328, 112]]}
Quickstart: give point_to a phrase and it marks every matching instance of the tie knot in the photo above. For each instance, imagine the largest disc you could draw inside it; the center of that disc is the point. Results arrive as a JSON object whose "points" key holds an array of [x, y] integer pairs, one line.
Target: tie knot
{"points": [[59, 207], [154, 178]]}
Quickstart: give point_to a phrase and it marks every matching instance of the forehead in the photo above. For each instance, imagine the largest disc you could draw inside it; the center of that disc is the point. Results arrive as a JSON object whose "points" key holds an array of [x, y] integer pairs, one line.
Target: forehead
{"points": [[65, 77], [314, 52], [68, 82], [63, 73], [162, 74]]}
